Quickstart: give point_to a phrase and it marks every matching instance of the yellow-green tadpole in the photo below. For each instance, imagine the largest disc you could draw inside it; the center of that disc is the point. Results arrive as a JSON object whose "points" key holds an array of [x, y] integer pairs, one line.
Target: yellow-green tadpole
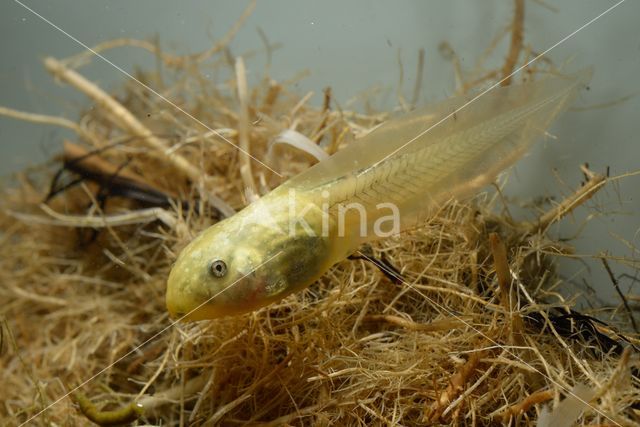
{"points": [[379, 185]]}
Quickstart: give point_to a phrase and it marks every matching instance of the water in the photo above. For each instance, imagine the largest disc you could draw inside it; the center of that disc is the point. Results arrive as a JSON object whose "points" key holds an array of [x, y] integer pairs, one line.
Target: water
{"points": [[353, 46]]}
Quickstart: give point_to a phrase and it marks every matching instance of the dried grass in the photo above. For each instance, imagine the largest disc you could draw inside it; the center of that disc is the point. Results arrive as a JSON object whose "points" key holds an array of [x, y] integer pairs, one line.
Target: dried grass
{"points": [[451, 344]]}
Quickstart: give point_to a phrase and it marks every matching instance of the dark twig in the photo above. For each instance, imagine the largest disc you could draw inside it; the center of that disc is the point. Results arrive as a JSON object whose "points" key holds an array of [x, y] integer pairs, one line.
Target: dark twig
{"points": [[113, 180], [619, 291], [382, 263], [580, 327]]}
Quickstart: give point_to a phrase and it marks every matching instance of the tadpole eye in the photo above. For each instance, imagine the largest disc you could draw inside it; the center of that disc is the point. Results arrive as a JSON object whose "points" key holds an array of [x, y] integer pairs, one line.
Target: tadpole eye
{"points": [[218, 268]]}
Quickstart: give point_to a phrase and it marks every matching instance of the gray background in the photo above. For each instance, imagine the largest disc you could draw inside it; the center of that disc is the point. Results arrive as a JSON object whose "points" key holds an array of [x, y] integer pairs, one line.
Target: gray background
{"points": [[352, 46]]}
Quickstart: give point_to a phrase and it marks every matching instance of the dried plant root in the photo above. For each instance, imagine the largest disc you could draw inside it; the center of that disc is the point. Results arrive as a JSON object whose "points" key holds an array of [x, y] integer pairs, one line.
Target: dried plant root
{"points": [[121, 116], [507, 297], [88, 221], [456, 385], [432, 339], [594, 183], [49, 120], [436, 325], [524, 405], [517, 36]]}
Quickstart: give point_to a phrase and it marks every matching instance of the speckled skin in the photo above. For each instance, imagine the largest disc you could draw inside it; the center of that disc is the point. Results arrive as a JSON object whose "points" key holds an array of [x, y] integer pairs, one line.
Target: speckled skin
{"points": [[267, 256], [414, 162]]}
